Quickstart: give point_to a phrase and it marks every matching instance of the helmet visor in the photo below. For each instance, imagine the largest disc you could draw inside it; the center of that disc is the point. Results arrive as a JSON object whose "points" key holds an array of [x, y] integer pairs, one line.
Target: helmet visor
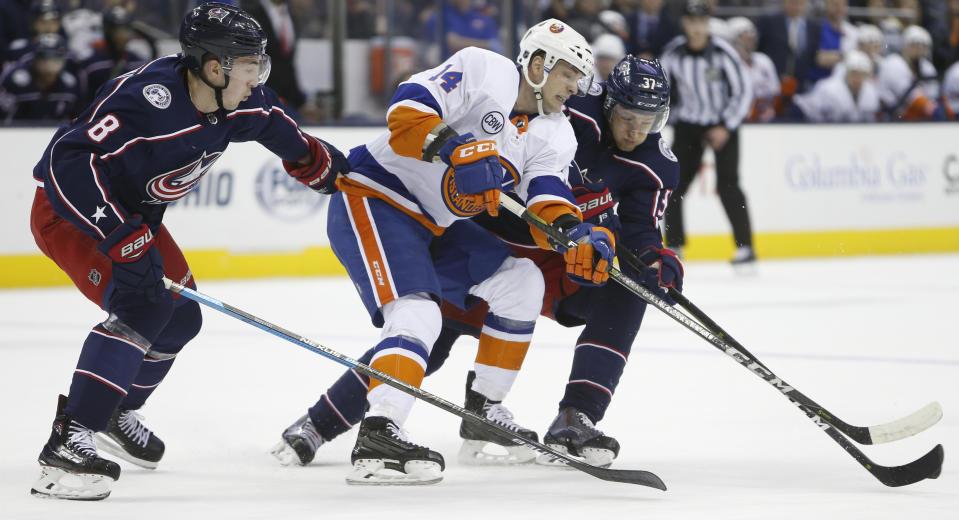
{"points": [[640, 121], [248, 69]]}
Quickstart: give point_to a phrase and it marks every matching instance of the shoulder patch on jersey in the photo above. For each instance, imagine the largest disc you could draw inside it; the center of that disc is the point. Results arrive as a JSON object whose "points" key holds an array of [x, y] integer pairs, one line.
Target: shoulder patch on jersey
{"points": [[595, 89], [158, 95], [493, 122], [20, 77], [664, 148]]}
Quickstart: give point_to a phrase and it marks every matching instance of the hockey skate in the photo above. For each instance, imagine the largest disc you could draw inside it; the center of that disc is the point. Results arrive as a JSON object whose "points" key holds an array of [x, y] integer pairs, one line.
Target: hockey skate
{"points": [[298, 443], [383, 456], [127, 438], [482, 446], [573, 433], [70, 467]]}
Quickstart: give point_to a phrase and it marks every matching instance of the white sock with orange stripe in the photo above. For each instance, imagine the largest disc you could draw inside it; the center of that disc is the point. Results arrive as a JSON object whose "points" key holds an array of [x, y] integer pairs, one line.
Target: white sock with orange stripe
{"points": [[412, 324], [502, 348]]}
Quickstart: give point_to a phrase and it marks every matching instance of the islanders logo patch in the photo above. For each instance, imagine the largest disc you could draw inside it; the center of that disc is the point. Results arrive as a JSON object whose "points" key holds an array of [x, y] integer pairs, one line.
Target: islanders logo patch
{"points": [[556, 28], [459, 205]]}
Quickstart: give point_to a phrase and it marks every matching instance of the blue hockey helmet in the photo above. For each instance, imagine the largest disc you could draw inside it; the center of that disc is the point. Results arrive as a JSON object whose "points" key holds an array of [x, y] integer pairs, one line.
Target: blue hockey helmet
{"points": [[225, 31], [50, 46], [641, 86]]}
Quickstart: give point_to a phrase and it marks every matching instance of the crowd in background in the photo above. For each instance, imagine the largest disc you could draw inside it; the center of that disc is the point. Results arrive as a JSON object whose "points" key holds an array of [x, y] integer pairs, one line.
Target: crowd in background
{"points": [[811, 60]]}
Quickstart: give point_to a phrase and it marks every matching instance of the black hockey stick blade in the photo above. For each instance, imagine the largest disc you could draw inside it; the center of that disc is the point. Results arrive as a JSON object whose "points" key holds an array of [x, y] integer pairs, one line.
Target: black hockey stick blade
{"points": [[914, 423], [642, 478], [927, 466]]}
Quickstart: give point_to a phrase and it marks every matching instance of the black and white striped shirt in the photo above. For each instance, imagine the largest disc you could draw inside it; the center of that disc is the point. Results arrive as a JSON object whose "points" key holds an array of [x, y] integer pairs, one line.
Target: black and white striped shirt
{"points": [[709, 87]]}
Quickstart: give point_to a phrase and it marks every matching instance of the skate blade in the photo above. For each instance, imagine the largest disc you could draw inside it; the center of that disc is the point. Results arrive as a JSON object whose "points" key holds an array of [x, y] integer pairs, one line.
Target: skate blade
{"points": [[746, 269], [599, 457], [372, 472], [476, 453], [544, 459], [107, 444], [58, 483], [285, 454]]}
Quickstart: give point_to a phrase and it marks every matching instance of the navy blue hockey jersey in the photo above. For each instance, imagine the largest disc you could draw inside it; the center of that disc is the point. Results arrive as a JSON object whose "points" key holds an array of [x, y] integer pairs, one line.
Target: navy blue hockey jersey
{"points": [[142, 144], [640, 181]]}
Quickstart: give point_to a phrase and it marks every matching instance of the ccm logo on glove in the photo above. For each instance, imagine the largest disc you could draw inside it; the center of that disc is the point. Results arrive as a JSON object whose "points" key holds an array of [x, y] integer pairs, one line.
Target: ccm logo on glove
{"points": [[480, 147]]}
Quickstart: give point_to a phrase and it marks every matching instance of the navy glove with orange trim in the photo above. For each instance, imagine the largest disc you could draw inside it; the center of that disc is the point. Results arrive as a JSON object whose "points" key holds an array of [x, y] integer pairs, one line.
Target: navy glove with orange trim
{"points": [[477, 173]]}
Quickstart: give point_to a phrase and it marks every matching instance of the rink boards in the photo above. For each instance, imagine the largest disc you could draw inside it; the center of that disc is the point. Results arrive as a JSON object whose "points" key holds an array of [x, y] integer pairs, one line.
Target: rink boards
{"points": [[811, 190]]}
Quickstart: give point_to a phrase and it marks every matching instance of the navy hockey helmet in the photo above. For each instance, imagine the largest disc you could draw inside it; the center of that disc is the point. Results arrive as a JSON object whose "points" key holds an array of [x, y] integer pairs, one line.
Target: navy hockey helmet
{"points": [[640, 86], [44, 9], [116, 16], [50, 46], [225, 31]]}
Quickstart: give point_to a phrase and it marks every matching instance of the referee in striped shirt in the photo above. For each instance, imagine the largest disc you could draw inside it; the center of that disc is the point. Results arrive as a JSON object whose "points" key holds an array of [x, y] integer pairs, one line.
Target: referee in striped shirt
{"points": [[711, 97]]}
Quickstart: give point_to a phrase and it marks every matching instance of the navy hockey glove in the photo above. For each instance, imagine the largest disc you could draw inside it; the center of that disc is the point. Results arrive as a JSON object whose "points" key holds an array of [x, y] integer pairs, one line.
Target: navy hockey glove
{"points": [[589, 263], [477, 173], [596, 204], [320, 175], [664, 271], [137, 266]]}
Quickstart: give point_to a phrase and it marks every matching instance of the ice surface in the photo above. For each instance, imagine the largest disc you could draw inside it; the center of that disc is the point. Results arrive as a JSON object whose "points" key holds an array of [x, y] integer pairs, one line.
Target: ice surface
{"points": [[871, 338]]}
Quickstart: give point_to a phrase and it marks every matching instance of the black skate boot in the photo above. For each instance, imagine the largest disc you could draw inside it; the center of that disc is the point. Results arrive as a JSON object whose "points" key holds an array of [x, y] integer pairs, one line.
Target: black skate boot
{"points": [[70, 467], [381, 445], [299, 443], [476, 439], [574, 433], [127, 438]]}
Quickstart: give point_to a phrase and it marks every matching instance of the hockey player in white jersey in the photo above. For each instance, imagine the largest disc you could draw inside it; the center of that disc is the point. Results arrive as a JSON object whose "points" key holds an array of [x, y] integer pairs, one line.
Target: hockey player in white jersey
{"points": [[908, 83], [399, 227], [847, 98]]}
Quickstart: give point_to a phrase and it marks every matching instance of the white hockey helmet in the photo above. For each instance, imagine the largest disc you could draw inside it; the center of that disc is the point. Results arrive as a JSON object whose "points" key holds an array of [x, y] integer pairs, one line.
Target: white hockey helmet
{"points": [[868, 33], [738, 25], [916, 34], [858, 61], [559, 42]]}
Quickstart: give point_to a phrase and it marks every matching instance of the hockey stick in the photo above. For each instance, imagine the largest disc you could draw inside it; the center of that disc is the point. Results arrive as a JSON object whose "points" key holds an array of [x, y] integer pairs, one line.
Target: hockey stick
{"points": [[881, 433], [927, 466], [642, 478]]}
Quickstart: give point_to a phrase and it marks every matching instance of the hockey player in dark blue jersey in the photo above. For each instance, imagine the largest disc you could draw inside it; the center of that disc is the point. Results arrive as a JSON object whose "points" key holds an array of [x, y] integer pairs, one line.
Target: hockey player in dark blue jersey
{"points": [[624, 160], [103, 184]]}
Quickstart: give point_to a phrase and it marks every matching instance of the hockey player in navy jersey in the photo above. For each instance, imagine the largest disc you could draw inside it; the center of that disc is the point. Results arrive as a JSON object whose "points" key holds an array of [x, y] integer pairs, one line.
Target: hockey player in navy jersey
{"points": [[103, 184], [625, 161]]}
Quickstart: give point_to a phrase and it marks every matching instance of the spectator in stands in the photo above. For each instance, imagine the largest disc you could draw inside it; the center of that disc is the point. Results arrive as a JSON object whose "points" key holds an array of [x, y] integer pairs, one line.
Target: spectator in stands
{"points": [[762, 72], [110, 56], [465, 26], [44, 19], [908, 84], [945, 36], [584, 16], [950, 92], [360, 19], [608, 50], [14, 21], [786, 37], [842, 98], [650, 28], [833, 37], [281, 32], [39, 87]]}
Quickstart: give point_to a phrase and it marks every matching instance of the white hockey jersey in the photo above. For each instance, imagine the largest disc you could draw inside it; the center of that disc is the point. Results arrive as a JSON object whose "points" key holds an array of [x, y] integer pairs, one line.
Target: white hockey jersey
{"points": [[897, 84], [831, 101], [472, 91]]}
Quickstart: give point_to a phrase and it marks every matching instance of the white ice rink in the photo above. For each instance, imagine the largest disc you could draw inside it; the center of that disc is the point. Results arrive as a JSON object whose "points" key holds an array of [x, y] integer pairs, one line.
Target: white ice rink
{"points": [[871, 339]]}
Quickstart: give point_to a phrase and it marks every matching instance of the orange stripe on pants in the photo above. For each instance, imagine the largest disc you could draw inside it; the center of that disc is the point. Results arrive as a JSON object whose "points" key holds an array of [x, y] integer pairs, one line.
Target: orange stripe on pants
{"points": [[375, 258], [500, 353], [400, 367]]}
